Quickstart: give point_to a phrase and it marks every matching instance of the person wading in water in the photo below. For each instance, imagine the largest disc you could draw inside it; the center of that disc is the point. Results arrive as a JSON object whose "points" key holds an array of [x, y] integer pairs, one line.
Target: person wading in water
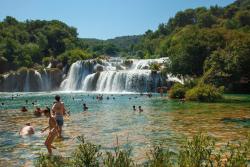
{"points": [[58, 111], [53, 131]]}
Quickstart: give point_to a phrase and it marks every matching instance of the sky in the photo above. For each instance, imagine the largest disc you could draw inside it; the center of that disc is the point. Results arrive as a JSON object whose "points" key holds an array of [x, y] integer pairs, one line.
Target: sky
{"points": [[103, 19]]}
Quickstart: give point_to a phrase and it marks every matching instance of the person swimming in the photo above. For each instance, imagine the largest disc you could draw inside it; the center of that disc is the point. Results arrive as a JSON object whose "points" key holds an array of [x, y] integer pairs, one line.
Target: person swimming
{"points": [[53, 131], [134, 108], [24, 109], [85, 108], [140, 109], [58, 111], [38, 112], [27, 130]]}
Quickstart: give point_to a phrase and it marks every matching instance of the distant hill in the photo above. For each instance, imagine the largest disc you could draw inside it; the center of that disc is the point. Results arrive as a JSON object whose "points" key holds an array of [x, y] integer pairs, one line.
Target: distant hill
{"points": [[125, 42]]}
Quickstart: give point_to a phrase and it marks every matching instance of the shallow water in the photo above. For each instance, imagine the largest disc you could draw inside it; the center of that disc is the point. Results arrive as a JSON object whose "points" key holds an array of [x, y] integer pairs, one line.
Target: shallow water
{"points": [[162, 120]]}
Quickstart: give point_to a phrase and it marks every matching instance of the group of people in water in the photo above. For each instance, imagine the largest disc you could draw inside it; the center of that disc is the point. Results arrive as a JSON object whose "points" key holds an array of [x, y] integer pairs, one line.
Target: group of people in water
{"points": [[55, 117], [55, 122], [139, 109]]}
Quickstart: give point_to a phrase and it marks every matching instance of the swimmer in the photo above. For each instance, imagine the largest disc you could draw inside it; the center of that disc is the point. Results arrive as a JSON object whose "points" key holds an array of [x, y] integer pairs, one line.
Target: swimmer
{"points": [[38, 112], [2, 104], [53, 131], [26, 101], [85, 108], [24, 109], [58, 111], [140, 109], [27, 130], [107, 98], [134, 108]]}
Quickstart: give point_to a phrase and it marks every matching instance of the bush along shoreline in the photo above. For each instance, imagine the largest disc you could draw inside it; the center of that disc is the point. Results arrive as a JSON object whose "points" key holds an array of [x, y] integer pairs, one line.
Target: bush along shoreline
{"points": [[196, 90], [199, 151]]}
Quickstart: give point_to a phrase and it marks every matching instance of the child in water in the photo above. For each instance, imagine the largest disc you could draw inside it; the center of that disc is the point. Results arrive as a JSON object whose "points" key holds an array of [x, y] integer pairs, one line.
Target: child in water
{"points": [[134, 108], [85, 108], [53, 131], [24, 109]]}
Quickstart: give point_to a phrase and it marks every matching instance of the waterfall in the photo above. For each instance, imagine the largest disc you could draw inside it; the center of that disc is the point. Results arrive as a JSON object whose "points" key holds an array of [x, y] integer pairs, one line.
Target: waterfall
{"points": [[100, 75], [77, 73], [46, 81], [120, 81], [40, 81], [115, 76], [27, 82], [145, 63]]}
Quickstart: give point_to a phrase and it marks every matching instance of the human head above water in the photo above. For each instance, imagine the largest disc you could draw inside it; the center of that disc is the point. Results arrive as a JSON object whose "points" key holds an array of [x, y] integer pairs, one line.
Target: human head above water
{"points": [[57, 97], [28, 124], [47, 112]]}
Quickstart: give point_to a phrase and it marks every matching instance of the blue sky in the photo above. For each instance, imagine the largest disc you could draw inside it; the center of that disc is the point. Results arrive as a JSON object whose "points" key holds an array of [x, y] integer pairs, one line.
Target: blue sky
{"points": [[103, 19]]}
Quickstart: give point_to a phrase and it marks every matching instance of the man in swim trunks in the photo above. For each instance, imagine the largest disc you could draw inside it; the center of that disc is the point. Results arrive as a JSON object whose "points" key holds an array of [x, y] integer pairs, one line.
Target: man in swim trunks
{"points": [[58, 111], [53, 131]]}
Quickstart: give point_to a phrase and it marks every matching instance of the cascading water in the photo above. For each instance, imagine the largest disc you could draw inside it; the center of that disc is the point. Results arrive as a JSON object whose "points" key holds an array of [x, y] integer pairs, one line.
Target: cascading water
{"points": [[113, 76], [40, 80], [119, 81], [99, 75], [46, 81], [77, 73], [27, 82], [31, 80]]}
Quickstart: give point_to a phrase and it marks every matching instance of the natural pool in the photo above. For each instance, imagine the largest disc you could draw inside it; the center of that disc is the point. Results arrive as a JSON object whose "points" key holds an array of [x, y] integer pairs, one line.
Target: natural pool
{"points": [[162, 120]]}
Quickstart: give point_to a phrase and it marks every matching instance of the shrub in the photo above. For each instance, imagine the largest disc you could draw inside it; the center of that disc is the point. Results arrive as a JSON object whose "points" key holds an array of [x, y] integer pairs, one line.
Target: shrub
{"points": [[120, 158], [128, 62], [46, 60], [155, 67], [51, 161], [196, 152], [177, 91], [160, 157], [86, 154], [23, 70], [204, 93]]}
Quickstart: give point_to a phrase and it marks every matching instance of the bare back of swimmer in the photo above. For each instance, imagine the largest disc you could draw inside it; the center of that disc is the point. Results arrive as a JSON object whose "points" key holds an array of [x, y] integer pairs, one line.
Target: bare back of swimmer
{"points": [[27, 130]]}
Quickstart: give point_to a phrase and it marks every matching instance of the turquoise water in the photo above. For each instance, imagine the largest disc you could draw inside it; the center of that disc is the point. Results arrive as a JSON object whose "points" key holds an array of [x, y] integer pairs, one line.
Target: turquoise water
{"points": [[162, 120]]}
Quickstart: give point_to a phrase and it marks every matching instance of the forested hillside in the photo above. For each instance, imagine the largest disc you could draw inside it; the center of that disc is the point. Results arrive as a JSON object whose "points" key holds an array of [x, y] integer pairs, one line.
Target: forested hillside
{"points": [[210, 43], [36, 43]]}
